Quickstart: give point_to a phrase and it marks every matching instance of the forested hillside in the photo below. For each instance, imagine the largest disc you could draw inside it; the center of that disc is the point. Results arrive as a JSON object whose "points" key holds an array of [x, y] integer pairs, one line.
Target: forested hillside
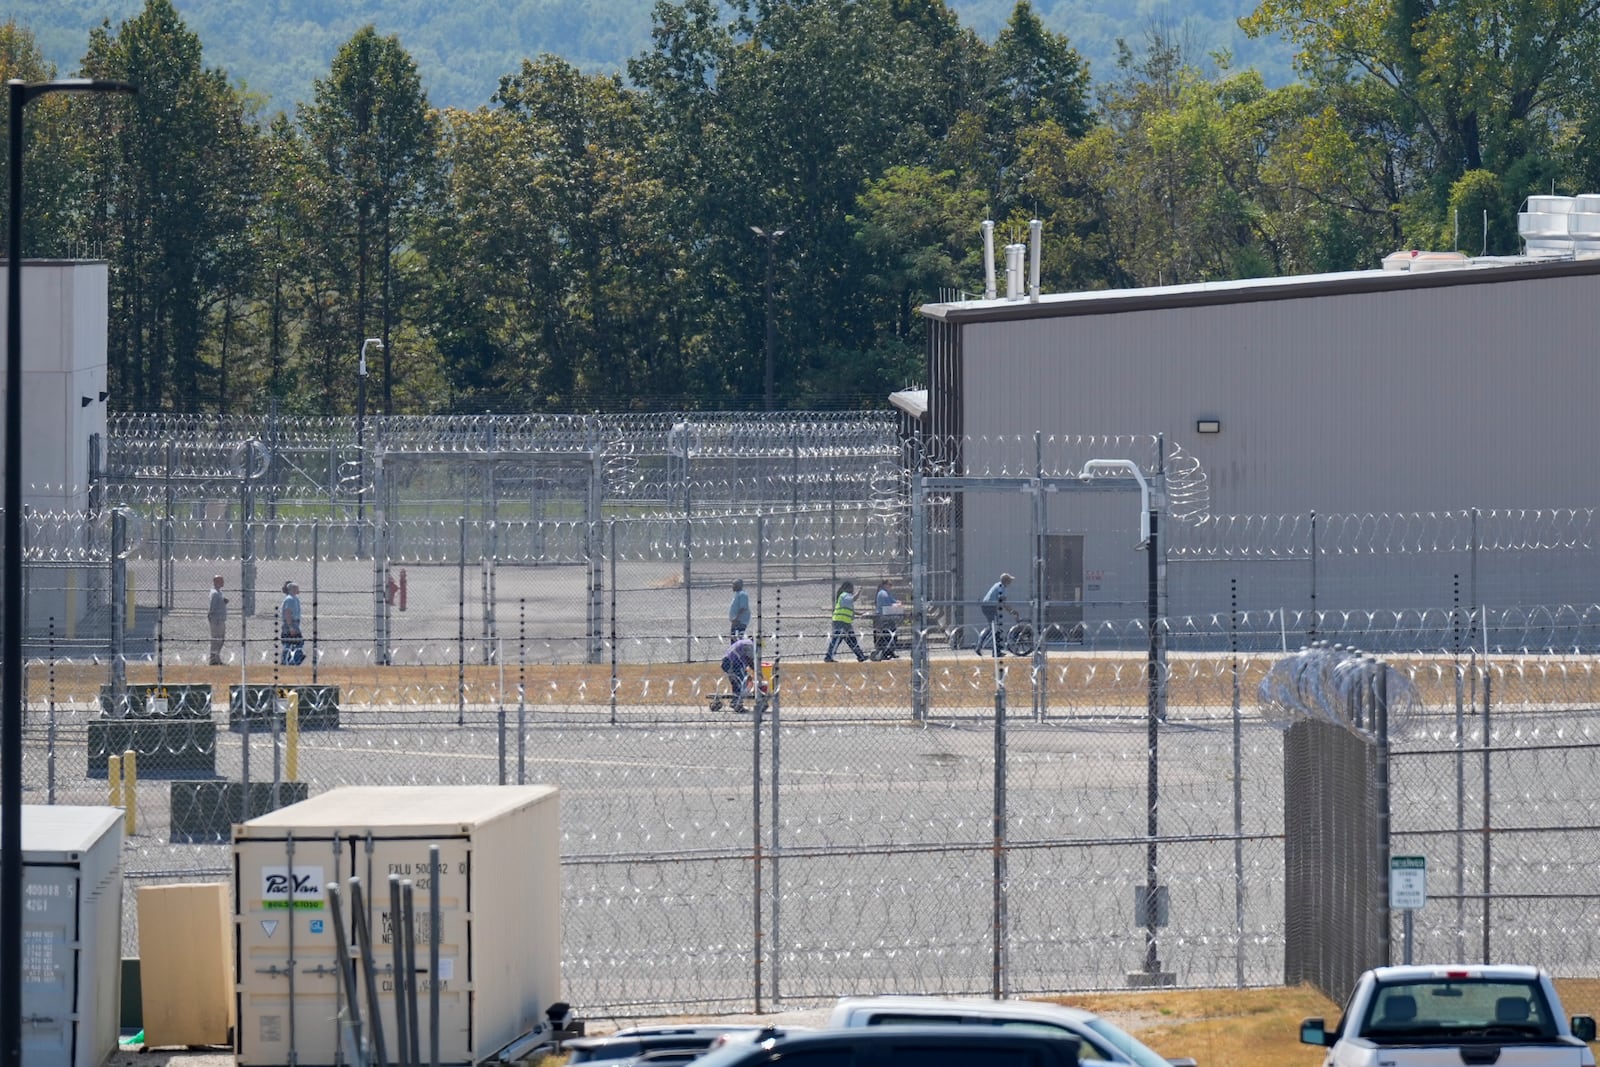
{"points": [[589, 241], [277, 47]]}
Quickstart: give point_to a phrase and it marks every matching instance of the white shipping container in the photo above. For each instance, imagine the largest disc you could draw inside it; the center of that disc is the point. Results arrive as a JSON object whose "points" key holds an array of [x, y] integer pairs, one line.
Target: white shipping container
{"points": [[71, 934], [499, 888]]}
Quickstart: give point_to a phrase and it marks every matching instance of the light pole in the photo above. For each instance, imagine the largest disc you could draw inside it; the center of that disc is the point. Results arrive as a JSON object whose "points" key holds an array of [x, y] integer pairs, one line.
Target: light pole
{"points": [[361, 427], [771, 237], [20, 93]]}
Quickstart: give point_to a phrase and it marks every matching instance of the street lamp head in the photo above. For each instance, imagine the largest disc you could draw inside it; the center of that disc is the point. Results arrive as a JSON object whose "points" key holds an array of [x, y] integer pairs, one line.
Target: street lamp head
{"points": [[24, 91], [369, 342]]}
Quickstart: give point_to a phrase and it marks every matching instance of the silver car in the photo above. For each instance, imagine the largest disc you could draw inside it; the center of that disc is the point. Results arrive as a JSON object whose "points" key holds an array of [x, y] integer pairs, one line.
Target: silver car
{"points": [[1102, 1039]]}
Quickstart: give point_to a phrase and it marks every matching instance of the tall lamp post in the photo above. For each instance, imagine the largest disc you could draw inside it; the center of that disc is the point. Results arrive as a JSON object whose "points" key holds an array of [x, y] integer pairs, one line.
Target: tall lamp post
{"points": [[771, 237], [20, 93], [361, 428]]}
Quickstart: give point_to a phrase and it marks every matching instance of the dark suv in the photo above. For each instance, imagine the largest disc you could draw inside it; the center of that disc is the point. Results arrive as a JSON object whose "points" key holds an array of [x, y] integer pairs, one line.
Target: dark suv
{"points": [[903, 1046]]}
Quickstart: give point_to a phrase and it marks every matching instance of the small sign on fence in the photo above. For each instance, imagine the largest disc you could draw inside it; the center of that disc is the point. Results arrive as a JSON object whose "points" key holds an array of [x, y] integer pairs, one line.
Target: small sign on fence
{"points": [[1408, 882]]}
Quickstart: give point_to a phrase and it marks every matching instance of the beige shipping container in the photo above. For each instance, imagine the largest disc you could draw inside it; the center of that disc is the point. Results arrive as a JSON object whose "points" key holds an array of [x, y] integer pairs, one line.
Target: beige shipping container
{"points": [[499, 889], [186, 964]]}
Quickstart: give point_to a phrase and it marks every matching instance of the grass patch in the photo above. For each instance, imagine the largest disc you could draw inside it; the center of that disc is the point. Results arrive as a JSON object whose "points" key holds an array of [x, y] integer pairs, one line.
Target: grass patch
{"points": [[1218, 1027], [1250, 1027]]}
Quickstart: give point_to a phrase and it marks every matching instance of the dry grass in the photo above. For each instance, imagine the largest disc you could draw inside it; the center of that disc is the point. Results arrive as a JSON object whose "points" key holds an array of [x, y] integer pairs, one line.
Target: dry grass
{"points": [[957, 680], [1251, 1027], [1218, 1027]]}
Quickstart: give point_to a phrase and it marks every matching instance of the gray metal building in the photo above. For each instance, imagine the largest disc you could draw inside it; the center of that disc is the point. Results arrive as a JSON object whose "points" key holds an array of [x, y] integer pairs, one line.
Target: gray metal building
{"points": [[1391, 403]]}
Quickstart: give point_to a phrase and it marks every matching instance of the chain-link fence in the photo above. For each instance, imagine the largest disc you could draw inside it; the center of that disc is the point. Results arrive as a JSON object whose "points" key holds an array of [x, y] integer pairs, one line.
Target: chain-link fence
{"points": [[1106, 810], [833, 842]]}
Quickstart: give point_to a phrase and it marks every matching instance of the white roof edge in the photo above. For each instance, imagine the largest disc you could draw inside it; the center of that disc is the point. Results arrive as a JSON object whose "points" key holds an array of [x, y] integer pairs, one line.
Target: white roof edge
{"points": [[913, 402]]}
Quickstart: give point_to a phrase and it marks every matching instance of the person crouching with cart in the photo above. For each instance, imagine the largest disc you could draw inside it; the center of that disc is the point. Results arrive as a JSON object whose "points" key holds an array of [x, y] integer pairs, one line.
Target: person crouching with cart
{"points": [[738, 663]]}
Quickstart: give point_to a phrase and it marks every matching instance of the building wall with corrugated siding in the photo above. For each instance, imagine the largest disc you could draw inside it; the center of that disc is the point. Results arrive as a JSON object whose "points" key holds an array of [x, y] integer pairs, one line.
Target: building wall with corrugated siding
{"points": [[1479, 395]]}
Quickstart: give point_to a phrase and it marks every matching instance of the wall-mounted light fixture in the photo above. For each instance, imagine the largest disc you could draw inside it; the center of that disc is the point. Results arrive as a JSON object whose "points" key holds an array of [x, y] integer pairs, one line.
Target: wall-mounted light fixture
{"points": [[1208, 426]]}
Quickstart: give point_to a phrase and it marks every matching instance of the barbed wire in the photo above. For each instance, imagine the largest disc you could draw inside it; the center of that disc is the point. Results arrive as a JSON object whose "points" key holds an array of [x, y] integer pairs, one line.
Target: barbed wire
{"points": [[1341, 686], [1299, 536]]}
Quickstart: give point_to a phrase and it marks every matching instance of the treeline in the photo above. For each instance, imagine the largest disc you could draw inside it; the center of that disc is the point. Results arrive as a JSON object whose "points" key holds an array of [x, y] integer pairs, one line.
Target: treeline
{"points": [[586, 242], [462, 49]]}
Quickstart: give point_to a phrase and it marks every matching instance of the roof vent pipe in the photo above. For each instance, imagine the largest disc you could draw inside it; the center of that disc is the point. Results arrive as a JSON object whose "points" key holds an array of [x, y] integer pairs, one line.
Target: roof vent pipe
{"points": [[1034, 228], [1014, 266], [988, 259]]}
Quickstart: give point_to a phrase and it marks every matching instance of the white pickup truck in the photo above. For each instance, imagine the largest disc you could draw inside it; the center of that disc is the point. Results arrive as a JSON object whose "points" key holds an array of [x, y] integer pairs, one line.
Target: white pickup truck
{"points": [[1454, 1016]]}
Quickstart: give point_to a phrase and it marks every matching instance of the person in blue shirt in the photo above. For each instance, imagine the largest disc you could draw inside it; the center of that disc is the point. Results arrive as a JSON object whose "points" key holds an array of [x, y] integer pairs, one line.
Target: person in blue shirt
{"points": [[737, 662], [885, 623], [738, 611], [993, 603], [294, 645], [844, 618]]}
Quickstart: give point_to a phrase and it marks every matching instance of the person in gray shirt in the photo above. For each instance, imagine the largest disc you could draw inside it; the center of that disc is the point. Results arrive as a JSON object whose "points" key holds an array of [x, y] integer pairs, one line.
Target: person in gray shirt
{"points": [[217, 616], [738, 611]]}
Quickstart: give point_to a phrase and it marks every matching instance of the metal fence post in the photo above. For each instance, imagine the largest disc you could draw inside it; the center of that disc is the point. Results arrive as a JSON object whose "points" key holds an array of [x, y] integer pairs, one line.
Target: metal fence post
{"points": [[164, 556], [1488, 817], [1380, 730], [461, 624], [688, 557], [119, 598], [1040, 676], [773, 704], [919, 597], [1238, 788], [611, 530], [382, 547], [1311, 631], [999, 917], [594, 508], [316, 560], [1153, 715], [247, 537], [758, 953]]}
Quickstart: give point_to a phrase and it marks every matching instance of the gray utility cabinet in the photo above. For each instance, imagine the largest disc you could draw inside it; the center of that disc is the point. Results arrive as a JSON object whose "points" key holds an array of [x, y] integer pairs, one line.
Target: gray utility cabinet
{"points": [[71, 934], [499, 885]]}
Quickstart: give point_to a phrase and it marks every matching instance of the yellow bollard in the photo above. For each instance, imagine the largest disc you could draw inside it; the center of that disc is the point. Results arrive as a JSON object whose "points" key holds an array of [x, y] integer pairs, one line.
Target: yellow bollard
{"points": [[114, 779], [291, 737], [130, 782]]}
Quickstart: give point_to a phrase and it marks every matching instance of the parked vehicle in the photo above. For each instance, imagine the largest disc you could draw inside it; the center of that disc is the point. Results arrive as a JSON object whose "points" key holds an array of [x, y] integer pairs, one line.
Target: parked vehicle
{"points": [[1425, 1016], [657, 1044], [1102, 1039], [904, 1046]]}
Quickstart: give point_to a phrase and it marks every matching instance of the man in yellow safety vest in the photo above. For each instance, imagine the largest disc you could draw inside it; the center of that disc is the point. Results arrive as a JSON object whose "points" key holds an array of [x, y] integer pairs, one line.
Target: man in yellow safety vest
{"points": [[844, 617]]}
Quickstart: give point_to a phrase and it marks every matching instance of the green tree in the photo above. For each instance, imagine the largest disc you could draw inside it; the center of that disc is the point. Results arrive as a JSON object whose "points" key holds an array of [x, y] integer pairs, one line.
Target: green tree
{"points": [[920, 231], [58, 178], [181, 164], [374, 145], [780, 117], [1463, 86], [555, 281]]}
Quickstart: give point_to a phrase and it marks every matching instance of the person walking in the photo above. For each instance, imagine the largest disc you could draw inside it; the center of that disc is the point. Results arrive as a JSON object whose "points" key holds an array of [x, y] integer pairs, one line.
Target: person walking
{"points": [[886, 612], [294, 645], [844, 617], [738, 611], [737, 664], [217, 617], [994, 602]]}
